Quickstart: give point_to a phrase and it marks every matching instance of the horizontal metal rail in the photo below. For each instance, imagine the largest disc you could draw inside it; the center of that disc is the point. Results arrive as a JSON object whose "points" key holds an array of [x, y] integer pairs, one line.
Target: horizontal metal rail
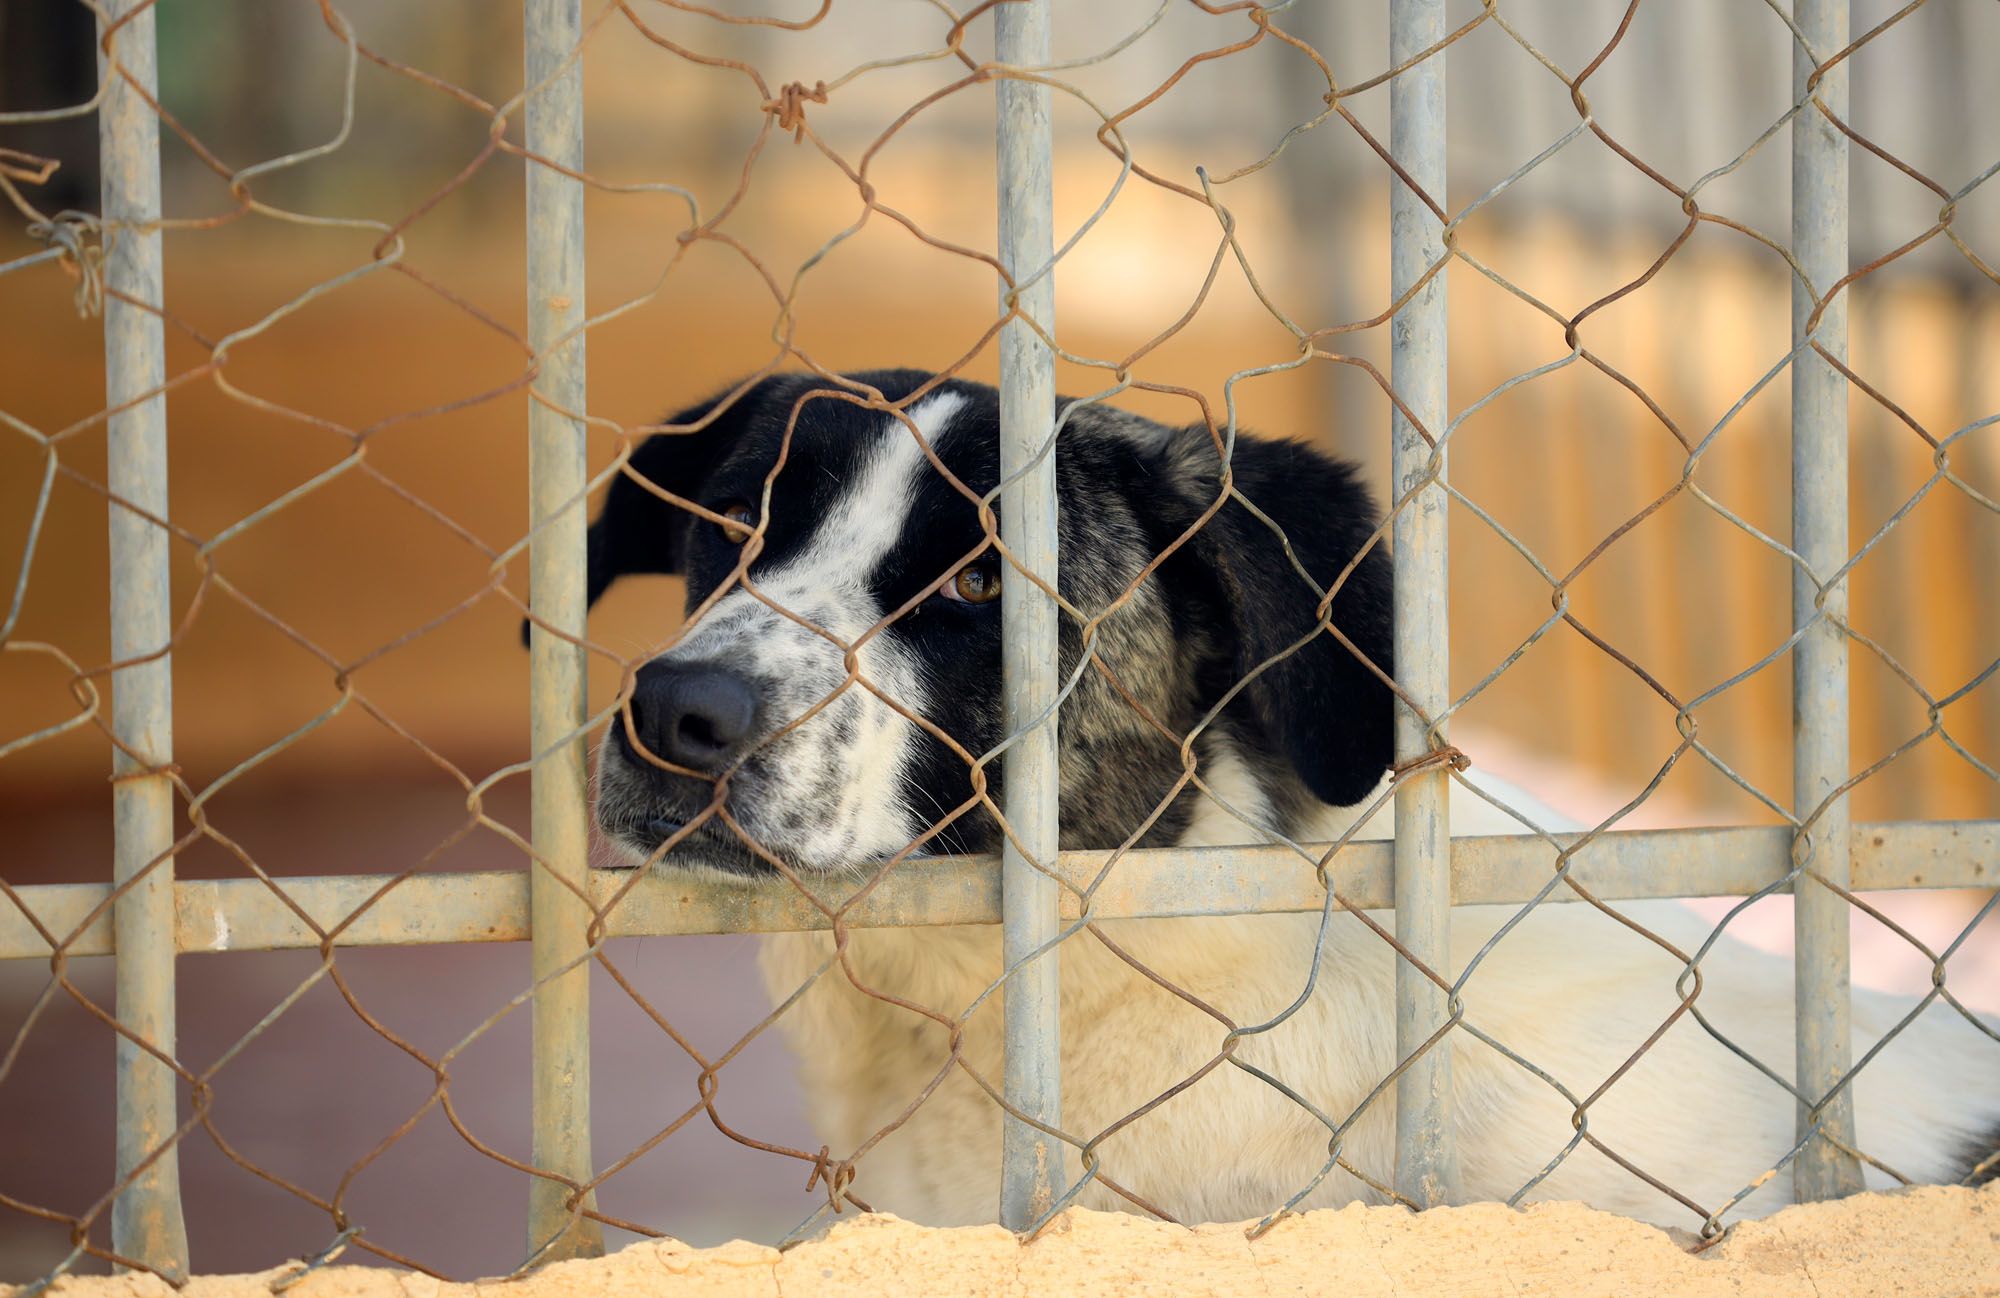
{"points": [[246, 915]]}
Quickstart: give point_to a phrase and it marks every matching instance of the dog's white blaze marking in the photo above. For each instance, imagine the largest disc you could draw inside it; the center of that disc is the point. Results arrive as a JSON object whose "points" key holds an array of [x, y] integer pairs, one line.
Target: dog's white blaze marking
{"points": [[868, 520], [826, 582], [843, 555], [826, 585]]}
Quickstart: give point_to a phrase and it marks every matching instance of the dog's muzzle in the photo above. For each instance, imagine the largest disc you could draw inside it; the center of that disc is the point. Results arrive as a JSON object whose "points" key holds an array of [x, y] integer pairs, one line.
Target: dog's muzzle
{"points": [[701, 717]]}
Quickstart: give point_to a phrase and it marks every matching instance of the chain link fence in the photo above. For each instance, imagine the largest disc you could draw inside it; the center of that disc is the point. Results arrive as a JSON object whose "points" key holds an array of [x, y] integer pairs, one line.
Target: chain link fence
{"points": [[1042, 914]]}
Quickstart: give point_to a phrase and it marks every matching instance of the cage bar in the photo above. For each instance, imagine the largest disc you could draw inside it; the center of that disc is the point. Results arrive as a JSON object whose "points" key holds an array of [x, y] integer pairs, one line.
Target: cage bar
{"points": [[1819, 660], [1031, 1158], [556, 478], [146, 1221], [1426, 1161]]}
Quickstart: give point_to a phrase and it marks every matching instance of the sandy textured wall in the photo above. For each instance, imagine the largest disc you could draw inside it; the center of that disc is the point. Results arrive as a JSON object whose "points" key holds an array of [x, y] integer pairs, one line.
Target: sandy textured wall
{"points": [[1928, 1242]]}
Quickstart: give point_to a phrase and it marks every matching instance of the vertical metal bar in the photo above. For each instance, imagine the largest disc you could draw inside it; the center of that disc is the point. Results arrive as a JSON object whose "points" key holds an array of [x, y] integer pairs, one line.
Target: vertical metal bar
{"points": [[556, 476], [1031, 1160], [1819, 662], [146, 1221], [1426, 1157]]}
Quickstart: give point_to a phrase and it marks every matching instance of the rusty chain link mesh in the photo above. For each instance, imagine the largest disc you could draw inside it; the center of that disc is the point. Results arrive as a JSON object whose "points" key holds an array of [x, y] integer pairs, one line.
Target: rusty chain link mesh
{"points": [[780, 114]]}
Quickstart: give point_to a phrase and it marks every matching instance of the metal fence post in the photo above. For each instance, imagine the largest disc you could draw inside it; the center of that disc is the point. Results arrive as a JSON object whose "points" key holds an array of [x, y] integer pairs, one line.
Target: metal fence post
{"points": [[557, 473], [1426, 1158], [1031, 1160], [1819, 661], [146, 1222]]}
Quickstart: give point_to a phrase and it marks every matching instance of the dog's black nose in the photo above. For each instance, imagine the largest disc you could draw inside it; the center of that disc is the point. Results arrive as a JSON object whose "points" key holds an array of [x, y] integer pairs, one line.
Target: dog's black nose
{"points": [[694, 715]]}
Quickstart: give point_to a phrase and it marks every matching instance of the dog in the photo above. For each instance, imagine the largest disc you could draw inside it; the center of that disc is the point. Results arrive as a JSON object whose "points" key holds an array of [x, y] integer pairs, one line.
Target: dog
{"points": [[840, 672]]}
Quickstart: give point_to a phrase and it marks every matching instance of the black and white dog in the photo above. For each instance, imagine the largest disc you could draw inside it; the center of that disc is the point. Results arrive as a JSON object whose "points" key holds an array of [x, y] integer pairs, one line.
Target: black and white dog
{"points": [[836, 694]]}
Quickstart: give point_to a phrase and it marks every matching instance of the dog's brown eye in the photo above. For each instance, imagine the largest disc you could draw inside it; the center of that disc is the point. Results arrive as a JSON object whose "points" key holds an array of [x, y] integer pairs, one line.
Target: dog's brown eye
{"points": [[741, 521], [976, 583]]}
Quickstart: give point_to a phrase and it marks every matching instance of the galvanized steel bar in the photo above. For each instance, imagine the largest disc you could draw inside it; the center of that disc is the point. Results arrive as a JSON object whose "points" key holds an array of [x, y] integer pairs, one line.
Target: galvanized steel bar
{"points": [[1819, 661], [1031, 1159], [146, 1221], [246, 915], [556, 476], [1426, 1159]]}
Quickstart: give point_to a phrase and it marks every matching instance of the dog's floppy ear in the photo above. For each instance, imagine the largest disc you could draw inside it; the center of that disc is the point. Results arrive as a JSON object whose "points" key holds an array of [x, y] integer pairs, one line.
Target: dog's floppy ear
{"points": [[637, 531], [1320, 707]]}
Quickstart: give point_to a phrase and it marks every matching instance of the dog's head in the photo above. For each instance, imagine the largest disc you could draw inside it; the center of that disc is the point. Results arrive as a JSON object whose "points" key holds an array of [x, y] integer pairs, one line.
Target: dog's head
{"points": [[841, 665]]}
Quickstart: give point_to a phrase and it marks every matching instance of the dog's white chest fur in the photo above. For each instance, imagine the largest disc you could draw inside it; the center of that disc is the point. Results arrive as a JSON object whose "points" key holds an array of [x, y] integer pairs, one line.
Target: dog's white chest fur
{"points": [[1570, 990]]}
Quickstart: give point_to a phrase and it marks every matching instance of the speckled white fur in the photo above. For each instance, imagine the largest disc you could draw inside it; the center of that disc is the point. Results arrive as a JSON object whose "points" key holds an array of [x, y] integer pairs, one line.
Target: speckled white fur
{"points": [[853, 784]]}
